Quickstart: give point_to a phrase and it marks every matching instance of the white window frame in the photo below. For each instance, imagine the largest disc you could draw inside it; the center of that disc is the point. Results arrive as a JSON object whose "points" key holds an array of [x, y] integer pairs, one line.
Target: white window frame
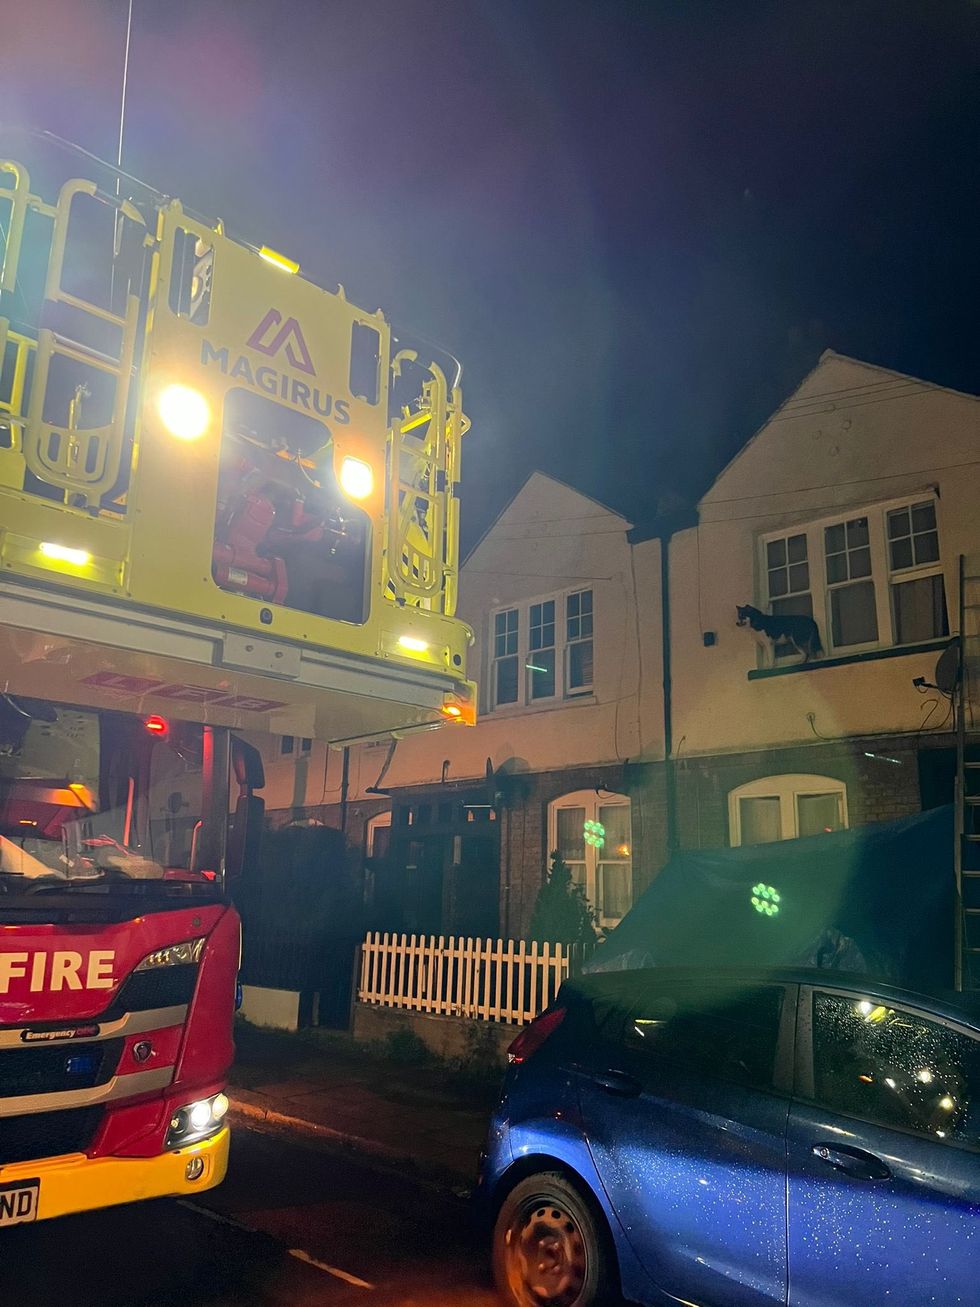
{"points": [[564, 692], [380, 821], [591, 802], [787, 789], [883, 577]]}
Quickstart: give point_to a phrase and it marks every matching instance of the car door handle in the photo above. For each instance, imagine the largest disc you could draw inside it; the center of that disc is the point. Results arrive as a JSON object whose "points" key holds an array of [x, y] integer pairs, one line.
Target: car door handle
{"points": [[852, 1161], [620, 1083]]}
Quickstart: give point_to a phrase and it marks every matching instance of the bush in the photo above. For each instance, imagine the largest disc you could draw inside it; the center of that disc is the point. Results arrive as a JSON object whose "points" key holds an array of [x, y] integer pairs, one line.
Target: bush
{"points": [[406, 1047], [562, 914]]}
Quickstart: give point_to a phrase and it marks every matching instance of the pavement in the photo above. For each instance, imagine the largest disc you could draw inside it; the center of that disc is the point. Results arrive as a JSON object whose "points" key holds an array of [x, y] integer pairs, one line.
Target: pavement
{"points": [[420, 1119]]}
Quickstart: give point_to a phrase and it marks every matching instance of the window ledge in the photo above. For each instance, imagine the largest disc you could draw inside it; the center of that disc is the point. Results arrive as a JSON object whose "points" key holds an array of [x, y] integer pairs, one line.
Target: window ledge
{"points": [[542, 705], [869, 656]]}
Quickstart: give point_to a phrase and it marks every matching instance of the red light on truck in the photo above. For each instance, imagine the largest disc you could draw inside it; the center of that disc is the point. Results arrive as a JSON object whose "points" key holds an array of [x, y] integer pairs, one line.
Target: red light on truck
{"points": [[157, 725]]}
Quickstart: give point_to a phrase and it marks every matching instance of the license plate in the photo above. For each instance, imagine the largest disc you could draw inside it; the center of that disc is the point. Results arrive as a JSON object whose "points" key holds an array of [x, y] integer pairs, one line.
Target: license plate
{"points": [[18, 1201]]}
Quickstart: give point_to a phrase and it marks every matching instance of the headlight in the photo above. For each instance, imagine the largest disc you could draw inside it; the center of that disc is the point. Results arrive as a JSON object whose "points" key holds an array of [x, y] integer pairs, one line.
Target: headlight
{"points": [[174, 955], [356, 478], [184, 412], [195, 1121]]}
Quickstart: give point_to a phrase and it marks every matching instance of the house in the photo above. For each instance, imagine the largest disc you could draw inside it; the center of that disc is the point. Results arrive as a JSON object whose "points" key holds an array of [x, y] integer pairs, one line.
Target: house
{"points": [[851, 505], [456, 825]]}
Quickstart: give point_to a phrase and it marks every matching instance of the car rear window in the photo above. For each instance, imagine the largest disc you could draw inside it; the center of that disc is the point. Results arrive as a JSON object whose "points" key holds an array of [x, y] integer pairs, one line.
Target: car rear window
{"points": [[707, 1031]]}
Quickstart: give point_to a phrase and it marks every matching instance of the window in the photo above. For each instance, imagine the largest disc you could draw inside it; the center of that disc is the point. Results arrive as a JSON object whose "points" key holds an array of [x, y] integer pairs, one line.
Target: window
{"points": [[592, 832], [869, 579], [786, 808], [377, 842], [287, 744], [896, 1067], [505, 659], [916, 578], [709, 1031], [542, 652], [541, 661], [578, 641]]}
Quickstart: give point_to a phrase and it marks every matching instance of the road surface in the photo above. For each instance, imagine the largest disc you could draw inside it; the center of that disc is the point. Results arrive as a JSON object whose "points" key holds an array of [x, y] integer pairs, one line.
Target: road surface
{"points": [[292, 1226]]}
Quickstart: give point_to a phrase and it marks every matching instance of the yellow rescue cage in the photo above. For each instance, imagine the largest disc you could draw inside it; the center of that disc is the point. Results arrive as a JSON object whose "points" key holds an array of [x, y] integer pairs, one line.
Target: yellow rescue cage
{"points": [[226, 493]]}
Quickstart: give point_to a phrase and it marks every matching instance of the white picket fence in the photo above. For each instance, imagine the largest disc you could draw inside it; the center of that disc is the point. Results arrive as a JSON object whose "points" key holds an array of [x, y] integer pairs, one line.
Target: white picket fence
{"points": [[506, 980]]}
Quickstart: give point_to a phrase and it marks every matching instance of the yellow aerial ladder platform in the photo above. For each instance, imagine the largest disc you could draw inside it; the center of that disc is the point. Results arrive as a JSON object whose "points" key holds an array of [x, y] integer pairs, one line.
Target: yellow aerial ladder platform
{"points": [[225, 492]]}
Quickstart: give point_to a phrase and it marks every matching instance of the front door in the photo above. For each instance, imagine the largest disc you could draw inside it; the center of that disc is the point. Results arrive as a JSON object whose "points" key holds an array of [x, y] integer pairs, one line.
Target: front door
{"points": [[685, 1105], [883, 1157]]}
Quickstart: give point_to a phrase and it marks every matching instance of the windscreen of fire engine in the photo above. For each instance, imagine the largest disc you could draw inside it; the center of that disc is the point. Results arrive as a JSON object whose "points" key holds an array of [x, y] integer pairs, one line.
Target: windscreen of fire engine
{"points": [[90, 798], [284, 531]]}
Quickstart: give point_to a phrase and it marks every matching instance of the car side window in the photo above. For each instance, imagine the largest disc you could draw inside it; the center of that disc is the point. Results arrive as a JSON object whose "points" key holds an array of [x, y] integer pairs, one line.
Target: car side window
{"points": [[896, 1067], [712, 1032]]}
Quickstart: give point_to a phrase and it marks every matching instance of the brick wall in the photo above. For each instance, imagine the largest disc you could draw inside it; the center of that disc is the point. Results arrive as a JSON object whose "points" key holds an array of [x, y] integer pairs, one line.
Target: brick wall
{"points": [[877, 789]]}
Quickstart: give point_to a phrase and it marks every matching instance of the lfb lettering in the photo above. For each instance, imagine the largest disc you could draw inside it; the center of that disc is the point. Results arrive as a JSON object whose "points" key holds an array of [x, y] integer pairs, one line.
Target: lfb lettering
{"points": [[56, 971]]}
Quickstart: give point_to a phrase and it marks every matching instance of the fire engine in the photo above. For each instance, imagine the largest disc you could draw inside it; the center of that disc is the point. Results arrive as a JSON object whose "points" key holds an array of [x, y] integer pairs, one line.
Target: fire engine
{"points": [[228, 504]]}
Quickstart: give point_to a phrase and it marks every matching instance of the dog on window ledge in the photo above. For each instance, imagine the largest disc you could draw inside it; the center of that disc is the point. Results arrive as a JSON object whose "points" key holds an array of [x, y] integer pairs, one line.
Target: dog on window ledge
{"points": [[789, 630]]}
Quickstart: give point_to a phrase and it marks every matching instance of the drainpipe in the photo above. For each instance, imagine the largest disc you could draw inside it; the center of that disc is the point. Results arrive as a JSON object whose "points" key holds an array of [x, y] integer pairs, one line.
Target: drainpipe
{"points": [[344, 788], [670, 775]]}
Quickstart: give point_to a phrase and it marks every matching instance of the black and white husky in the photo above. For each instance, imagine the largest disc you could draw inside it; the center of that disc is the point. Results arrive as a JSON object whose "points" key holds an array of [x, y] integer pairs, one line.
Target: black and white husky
{"points": [[796, 630]]}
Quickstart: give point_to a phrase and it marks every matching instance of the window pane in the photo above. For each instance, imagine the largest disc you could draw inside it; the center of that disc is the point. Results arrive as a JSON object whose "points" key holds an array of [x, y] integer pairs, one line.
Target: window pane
{"points": [[573, 605], [615, 890], [860, 563], [506, 686], [836, 568], [898, 524], [709, 1032], [895, 1067], [586, 624], [853, 614], [920, 610], [924, 517], [818, 813], [542, 668], [793, 605], [857, 532], [586, 601], [615, 817], [778, 583], [580, 665], [901, 552], [571, 834], [834, 538], [796, 549], [759, 820], [799, 576], [927, 548], [776, 553]]}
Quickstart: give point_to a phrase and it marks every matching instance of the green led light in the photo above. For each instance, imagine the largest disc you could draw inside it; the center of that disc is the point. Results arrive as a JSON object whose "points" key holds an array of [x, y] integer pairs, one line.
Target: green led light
{"points": [[595, 834], [765, 900]]}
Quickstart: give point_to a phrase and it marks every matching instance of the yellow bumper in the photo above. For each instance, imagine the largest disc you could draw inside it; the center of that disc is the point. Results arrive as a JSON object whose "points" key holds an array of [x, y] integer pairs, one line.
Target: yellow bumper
{"points": [[76, 1183]]}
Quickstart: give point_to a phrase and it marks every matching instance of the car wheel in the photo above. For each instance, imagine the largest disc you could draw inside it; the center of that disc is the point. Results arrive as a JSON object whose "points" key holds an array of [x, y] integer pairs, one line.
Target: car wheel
{"points": [[549, 1248]]}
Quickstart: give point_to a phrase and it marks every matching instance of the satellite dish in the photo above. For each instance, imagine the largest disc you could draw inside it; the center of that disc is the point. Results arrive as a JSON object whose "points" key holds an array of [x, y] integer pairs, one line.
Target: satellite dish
{"points": [[948, 668]]}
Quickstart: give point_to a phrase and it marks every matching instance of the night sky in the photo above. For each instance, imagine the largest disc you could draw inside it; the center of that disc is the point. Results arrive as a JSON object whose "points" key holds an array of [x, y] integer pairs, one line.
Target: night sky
{"points": [[638, 225]]}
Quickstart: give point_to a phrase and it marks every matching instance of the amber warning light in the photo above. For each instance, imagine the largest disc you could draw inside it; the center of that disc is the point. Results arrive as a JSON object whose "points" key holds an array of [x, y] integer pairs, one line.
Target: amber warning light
{"points": [[157, 725]]}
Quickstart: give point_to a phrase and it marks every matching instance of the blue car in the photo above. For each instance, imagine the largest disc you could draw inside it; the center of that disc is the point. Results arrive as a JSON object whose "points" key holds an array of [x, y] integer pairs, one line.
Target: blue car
{"points": [[739, 1139]]}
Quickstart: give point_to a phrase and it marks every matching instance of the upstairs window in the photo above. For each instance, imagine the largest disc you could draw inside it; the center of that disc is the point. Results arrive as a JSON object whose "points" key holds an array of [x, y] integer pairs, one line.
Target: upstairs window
{"points": [[870, 579], [542, 651]]}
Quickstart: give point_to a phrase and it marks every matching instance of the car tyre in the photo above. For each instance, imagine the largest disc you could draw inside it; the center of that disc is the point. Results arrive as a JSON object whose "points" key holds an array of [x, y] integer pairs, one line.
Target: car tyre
{"points": [[550, 1248]]}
